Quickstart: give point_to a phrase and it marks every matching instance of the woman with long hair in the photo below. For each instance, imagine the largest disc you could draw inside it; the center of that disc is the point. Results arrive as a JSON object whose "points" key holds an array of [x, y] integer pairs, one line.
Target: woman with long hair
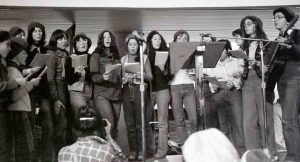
{"points": [[253, 119], [107, 86], [160, 89]]}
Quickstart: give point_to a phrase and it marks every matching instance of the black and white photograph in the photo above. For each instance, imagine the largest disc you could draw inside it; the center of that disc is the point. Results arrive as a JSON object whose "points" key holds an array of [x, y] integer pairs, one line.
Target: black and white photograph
{"points": [[149, 81]]}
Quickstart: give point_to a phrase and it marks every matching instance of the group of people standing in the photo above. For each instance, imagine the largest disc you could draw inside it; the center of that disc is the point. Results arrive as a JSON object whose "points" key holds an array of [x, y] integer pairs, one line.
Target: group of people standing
{"points": [[65, 88]]}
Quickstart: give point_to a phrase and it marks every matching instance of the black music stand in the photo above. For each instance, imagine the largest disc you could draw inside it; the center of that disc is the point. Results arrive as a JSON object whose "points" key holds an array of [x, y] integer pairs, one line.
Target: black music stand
{"points": [[183, 56]]}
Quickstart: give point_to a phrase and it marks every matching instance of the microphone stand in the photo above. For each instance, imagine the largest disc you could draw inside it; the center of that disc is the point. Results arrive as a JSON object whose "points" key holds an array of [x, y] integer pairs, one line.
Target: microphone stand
{"points": [[263, 86], [142, 90]]}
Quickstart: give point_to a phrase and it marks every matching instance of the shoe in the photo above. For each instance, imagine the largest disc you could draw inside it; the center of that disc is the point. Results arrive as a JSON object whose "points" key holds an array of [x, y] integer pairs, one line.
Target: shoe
{"points": [[132, 155], [160, 155], [140, 156]]}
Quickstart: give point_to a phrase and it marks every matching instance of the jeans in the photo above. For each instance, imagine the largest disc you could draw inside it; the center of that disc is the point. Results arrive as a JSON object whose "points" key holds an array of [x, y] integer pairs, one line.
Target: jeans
{"points": [[229, 104], [48, 152], [4, 150], [110, 110], [132, 115], [162, 99], [253, 119], [289, 92], [184, 94]]}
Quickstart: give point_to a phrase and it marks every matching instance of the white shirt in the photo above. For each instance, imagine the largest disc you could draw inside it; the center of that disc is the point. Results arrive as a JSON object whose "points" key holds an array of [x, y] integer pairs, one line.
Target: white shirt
{"points": [[181, 77], [229, 70]]}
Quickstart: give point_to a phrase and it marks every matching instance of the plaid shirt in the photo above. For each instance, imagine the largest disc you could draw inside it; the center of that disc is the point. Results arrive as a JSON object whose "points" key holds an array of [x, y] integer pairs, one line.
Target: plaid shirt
{"points": [[87, 149]]}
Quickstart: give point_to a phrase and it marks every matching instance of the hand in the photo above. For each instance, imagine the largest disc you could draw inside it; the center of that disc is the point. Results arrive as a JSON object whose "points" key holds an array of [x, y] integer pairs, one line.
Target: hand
{"points": [[35, 69], [214, 87], [229, 85], [21, 81], [35, 81], [161, 67], [79, 69], [57, 106], [282, 39], [107, 128], [106, 76]]}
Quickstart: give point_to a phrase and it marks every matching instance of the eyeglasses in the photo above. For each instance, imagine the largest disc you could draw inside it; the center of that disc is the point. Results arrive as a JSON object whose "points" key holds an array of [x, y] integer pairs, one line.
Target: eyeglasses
{"points": [[248, 24], [278, 18]]}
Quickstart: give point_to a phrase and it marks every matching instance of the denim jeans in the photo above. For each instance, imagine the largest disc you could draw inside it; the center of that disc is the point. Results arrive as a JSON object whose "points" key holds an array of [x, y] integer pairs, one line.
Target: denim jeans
{"points": [[110, 110], [4, 149], [230, 111], [184, 94], [132, 115], [253, 120], [289, 92], [48, 152], [162, 99]]}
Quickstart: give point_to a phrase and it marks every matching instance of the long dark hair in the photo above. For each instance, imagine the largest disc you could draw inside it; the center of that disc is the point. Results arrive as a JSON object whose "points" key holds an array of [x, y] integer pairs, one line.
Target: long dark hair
{"points": [[57, 34], [113, 47], [260, 33], [150, 48], [31, 28]]}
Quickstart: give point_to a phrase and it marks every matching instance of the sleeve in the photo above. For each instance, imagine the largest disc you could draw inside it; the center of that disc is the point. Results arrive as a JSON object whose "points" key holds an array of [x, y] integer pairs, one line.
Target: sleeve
{"points": [[296, 42], [20, 91], [7, 85], [95, 74], [148, 74], [51, 70], [71, 76]]}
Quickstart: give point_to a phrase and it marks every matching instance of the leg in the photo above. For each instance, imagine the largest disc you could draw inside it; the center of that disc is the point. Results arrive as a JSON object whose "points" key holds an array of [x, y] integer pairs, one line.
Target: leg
{"points": [[288, 95], [162, 98], [189, 101], [178, 112], [220, 101], [48, 153], [252, 133], [116, 112], [236, 109], [129, 119], [4, 149]]}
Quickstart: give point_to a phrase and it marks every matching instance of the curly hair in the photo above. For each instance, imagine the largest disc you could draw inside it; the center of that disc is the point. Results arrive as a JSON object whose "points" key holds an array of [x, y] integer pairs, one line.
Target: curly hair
{"points": [[113, 47]]}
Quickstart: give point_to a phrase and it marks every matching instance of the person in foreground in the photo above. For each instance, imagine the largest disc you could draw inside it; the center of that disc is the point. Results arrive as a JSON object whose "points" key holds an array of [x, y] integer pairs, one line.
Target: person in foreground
{"points": [[94, 142]]}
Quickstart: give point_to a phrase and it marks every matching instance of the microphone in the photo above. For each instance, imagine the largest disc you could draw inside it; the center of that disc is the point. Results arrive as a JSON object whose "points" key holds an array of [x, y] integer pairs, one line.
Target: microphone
{"points": [[139, 35]]}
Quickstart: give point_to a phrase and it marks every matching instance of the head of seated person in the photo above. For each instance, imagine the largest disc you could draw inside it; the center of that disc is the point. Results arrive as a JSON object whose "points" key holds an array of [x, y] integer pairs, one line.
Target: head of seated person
{"points": [[88, 122], [209, 145]]}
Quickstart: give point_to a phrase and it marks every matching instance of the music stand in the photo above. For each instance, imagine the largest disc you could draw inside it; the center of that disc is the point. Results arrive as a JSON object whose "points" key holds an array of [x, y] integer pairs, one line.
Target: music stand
{"points": [[183, 56]]}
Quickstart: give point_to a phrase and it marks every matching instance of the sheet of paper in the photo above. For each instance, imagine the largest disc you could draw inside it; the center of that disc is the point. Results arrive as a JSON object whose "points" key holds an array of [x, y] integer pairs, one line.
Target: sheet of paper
{"points": [[161, 58], [40, 60], [132, 67]]}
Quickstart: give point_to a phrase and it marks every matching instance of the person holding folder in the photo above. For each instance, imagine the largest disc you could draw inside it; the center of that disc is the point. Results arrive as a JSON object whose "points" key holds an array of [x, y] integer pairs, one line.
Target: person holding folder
{"points": [[132, 96], [77, 76], [227, 95], [160, 93], [58, 87], [252, 95], [21, 134], [183, 93], [40, 96], [107, 85]]}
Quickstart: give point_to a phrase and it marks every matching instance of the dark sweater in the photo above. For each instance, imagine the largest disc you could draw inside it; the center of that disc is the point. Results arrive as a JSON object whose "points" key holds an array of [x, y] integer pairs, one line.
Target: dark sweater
{"points": [[160, 79], [106, 88]]}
